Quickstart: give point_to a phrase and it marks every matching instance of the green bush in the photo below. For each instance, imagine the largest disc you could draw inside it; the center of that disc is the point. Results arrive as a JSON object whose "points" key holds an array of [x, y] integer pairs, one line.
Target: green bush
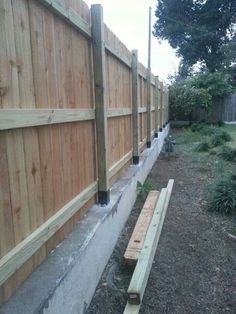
{"points": [[216, 140], [220, 123], [224, 135], [203, 146], [227, 153], [197, 127], [184, 98], [212, 152], [208, 130], [222, 197], [219, 137]]}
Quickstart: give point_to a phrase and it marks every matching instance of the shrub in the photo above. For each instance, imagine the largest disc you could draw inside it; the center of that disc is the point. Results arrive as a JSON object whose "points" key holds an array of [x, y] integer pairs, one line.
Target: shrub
{"points": [[222, 197], [217, 140], [219, 137], [196, 127], [220, 123], [184, 98], [212, 152], [208, 130], [203, 146], [227, 153], [224, 135]]}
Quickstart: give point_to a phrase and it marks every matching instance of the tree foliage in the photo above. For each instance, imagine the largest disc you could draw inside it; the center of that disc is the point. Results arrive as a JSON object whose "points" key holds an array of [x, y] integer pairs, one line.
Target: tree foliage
{"points": [[184, 98], [199, 30], [198, 92]]}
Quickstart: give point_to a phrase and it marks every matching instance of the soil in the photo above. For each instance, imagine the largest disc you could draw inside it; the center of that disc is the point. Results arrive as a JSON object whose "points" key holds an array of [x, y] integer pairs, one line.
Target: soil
{"points": [[194, 269]]}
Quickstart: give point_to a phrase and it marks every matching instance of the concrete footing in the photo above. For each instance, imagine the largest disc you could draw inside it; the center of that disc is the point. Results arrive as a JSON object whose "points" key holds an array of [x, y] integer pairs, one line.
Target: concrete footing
{"points": [[67, 279]]}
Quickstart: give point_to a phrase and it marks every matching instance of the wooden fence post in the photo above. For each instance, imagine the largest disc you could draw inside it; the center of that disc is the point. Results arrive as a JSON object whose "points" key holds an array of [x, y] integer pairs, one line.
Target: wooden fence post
{"points": [[164, 107], [167, 107], [100, 106], [156, 104], [161, 107], [135, 113], [149, 128]]}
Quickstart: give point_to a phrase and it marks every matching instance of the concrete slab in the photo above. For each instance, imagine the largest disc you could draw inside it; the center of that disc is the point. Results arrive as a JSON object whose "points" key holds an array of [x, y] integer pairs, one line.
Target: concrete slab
{"points": [[65, 282]]}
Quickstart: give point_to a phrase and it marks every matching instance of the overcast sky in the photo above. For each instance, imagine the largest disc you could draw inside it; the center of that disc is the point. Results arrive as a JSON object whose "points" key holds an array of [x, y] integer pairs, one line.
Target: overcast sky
{"points": [[128, 19]]}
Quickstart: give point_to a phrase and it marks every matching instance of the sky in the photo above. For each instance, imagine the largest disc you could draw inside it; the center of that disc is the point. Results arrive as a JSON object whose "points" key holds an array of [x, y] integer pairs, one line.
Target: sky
{"points": [[128, 20]]}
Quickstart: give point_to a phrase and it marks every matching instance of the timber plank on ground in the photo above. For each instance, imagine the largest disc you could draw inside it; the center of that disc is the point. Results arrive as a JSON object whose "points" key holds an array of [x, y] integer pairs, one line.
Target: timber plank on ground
{"points": [[138, 236], [142, 270]]}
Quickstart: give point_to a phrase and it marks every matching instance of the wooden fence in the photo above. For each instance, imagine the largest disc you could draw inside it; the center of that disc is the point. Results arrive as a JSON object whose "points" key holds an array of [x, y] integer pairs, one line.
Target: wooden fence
{"points": [[222, 110], [77, 108]]}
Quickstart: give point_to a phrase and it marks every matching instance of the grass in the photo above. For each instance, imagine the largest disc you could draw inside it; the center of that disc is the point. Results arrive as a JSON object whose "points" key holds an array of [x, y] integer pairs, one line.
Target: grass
{"points": [[188, 137], [222, 196]]}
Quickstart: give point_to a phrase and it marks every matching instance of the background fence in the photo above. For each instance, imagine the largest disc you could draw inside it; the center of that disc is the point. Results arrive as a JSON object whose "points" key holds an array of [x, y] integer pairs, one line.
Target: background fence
{"points": [[76, 109], [222, 110]]}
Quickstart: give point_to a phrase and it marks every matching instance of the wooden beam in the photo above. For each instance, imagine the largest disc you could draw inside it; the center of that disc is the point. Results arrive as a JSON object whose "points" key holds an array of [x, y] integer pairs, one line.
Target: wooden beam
{"points": [[119, 164], [149, 128], [69, 15], [21, 118], [118, 112], [161, 107], [14, 259], [149, 137], [168, 107], [142, 270], [156, 100], [138, 236], [135, 107], [100, 105], [126, 61]]}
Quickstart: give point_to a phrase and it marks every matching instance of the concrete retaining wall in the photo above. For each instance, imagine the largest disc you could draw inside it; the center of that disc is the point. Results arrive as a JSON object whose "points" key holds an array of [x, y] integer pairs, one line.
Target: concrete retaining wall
{"points": [[66, 281]]}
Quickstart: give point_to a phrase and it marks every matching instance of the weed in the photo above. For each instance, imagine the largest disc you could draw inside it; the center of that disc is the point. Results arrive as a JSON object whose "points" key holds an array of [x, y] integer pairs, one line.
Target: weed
{"points": [[196, 127], [227, 153], [212, 152], [222, 196], [208, 130], [216, 140], [220, 123], [219, 137], [203, 146], [144, 189], [189, 137]]}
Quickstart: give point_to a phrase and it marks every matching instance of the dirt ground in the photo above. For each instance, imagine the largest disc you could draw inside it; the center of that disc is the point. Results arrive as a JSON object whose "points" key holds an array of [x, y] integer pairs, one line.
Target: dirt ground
{"points": [[194, 270]]}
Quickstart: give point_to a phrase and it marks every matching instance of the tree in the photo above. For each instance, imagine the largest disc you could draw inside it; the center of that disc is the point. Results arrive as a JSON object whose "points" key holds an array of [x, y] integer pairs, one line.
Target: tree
{"points": [[198, 91], [185, 98], [199, 30]]}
